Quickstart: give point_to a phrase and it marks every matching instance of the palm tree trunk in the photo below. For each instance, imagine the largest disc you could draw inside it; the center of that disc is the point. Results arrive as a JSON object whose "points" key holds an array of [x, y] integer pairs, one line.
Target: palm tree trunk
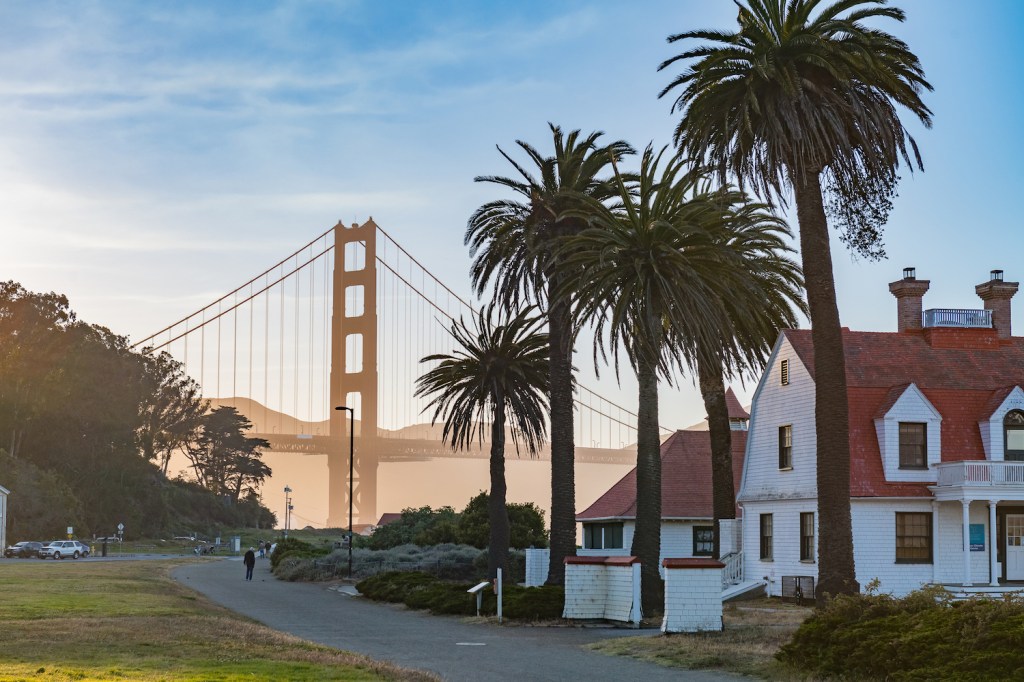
{"points": [[647, 536], [563, 449], [497, 547], [836, 572], [712, 389]]}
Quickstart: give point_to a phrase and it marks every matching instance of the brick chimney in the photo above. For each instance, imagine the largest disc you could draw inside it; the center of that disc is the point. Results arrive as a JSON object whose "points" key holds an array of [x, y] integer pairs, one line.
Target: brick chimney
{"points": [[908, 292], [997, 294]]}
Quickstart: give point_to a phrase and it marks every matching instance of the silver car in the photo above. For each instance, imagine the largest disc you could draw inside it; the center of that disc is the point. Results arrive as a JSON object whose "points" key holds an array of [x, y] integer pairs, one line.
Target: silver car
{"points": [[60, 549]]}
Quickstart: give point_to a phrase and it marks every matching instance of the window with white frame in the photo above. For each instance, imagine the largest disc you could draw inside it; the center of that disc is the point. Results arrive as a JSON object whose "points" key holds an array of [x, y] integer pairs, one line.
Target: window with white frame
{"points": [[913, 445], [766, 537], [703, 540], [807, 536]]}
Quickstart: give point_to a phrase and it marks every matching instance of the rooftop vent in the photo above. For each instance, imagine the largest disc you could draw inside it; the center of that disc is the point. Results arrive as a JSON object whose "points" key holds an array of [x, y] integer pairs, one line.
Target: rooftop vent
{"points": [[996, 276], [909, 273]]}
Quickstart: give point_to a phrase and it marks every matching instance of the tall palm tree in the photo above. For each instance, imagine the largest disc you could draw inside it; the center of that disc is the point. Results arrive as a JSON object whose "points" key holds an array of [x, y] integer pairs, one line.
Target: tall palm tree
{"points": [[651, 275], [511, 242], [767, 290], [806, 93], [497, 376]]}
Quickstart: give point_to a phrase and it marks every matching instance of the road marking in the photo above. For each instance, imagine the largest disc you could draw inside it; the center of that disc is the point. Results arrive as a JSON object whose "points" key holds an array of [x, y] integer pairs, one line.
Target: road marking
{"points": [[470, 644]]}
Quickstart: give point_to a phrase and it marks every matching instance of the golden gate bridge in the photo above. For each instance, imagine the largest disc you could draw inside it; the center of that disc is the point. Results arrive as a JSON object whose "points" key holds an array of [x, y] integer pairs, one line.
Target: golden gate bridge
{"points": [[345, 320]]}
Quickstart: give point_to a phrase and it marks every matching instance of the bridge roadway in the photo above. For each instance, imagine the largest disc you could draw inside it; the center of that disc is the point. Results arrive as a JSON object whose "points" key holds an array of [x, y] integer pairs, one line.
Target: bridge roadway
{"points": [[421, 450], [455, 650]]}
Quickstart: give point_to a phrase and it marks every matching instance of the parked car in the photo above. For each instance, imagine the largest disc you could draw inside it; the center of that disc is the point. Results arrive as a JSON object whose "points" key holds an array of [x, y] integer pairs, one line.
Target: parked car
{"points": [[23, 550], [60, 549]]}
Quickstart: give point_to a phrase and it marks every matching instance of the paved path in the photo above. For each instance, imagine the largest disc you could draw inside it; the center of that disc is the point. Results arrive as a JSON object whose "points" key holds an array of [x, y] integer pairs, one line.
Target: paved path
{"points": [[454, 650]]}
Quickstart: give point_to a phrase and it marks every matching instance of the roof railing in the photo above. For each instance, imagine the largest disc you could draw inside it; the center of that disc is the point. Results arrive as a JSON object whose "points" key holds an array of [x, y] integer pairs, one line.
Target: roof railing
{"points": [[953, 317]]}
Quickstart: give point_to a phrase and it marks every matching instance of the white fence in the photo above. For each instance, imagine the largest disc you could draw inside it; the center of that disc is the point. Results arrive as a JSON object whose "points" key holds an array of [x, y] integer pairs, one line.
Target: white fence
{"points": [[537, 563], [982, 473]]}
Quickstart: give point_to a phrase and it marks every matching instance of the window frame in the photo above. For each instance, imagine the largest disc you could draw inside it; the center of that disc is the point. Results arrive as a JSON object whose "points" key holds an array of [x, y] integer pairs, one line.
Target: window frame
{"points": [[784, 372], [1008, 454], [711, 540], [767, 538], [785, 447], [590, 529], [807, 537], [927, 537], [923, 445]]}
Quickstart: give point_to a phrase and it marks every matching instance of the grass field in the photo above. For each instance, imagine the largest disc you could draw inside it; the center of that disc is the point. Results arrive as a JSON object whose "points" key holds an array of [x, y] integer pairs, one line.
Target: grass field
{"points": [[89, 620], [754, 631]]}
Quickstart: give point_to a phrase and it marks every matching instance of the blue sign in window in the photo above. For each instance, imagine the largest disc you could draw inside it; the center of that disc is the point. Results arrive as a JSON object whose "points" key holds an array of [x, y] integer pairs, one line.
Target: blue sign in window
{"points": [[977, 537]]}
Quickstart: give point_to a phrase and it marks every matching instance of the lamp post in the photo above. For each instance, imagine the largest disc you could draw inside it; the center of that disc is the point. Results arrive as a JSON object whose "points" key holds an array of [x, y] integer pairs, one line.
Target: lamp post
{"points": [[351, 473], [287, 509]]}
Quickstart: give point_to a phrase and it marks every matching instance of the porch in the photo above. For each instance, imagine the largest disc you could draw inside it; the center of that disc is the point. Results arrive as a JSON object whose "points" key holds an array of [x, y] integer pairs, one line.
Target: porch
{"points": [[993, 494]]}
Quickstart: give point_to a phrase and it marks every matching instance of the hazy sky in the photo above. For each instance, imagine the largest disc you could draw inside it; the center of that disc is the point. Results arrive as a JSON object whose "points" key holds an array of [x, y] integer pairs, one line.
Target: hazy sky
{"points": [[154, 157]]}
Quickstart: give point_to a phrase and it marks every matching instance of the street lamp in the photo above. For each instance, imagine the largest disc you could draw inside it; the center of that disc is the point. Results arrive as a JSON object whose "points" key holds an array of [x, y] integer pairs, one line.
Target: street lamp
{"points": [[287, 509], [351, 472]]}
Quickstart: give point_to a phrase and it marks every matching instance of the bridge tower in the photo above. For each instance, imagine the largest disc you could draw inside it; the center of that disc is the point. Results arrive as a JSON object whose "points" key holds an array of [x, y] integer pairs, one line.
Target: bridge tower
{"points": [[353, 374]]}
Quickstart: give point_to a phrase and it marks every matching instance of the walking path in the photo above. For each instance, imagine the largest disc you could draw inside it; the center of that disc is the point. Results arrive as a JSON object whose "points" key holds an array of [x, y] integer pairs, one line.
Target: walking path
{"points": [[455, 650]]}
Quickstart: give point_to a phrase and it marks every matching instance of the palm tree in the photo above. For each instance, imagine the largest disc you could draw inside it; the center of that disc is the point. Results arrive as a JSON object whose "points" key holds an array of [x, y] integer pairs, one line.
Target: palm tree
{"points": [[804, 93], [768, 287], [651, 276], [511, 242], [497, 375]]}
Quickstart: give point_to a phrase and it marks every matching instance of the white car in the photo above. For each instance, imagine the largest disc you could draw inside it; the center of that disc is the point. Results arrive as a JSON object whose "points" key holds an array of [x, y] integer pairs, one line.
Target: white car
{"points": [[60, 549]]}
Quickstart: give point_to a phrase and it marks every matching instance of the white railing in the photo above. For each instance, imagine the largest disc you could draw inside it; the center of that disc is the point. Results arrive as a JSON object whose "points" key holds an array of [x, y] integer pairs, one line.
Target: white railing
{"points": [[732, 574], [952, 317], [981, 473]]}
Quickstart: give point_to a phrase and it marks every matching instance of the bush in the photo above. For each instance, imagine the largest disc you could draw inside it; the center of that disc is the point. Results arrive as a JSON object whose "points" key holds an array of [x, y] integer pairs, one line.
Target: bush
{"points": [[422, 591], [290, 548], [923, 636]]}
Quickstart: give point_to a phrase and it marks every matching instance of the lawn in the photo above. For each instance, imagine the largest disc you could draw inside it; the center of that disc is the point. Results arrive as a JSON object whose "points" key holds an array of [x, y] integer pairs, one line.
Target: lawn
{"points": [[88, 620], [754, 632]]}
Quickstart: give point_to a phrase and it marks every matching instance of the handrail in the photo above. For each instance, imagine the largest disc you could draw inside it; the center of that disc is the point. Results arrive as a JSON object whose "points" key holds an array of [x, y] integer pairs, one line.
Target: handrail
{"points": [[980, 473], [958, 317], [732, 574]]}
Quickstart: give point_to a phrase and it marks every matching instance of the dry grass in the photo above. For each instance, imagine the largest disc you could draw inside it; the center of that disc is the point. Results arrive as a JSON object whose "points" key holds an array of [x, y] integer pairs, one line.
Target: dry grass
{"points": [[127, 621], [754, 631]]}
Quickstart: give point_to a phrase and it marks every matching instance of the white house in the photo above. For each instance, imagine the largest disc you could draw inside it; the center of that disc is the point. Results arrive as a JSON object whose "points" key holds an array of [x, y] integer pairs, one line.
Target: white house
{"points": [[686, 504], [4, 492], [937, 450]]}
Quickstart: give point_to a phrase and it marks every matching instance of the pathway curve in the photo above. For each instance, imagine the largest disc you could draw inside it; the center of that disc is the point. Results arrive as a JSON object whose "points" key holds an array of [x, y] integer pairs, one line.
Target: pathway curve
{"points": [[455, 650]]}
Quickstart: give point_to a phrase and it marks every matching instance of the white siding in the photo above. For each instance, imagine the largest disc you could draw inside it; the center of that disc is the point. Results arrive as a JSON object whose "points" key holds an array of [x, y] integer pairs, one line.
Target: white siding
{"points": [[676, 540], [693, 600], [776, 405], [786, 542]]}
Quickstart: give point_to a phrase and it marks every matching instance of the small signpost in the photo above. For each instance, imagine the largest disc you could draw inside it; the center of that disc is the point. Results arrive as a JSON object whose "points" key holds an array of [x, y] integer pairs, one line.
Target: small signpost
{"points": [[71, 532], [120, 538]]}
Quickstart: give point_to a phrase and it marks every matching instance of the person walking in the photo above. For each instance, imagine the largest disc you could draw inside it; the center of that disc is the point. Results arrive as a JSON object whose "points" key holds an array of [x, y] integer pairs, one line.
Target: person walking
{"points": [[250, 561]]}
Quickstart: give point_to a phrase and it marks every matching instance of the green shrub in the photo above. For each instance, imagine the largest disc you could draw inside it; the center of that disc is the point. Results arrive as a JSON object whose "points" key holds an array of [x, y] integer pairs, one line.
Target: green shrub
{"points": [[422, 591], [923, 636], [295, 549]]}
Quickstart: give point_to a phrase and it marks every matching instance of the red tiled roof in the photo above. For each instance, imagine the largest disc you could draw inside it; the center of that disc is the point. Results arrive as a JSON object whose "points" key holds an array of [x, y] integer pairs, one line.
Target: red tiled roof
{"points": [[736, 410], [388, 517], [685, 480], [963, 383]]}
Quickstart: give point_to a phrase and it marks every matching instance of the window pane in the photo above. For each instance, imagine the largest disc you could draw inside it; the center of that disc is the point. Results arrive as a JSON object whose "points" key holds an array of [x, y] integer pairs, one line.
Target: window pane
{"points": [[1014, 439], [914, 537], [913, 445]]}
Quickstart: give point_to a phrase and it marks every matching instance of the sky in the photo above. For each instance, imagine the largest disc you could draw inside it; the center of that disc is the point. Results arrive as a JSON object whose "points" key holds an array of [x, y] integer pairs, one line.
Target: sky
{"points": [[153, 157]]}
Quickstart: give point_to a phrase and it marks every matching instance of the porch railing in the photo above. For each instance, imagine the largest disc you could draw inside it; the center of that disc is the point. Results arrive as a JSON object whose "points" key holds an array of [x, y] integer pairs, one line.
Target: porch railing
{"points": [[732, 574], [952, 317], [981, 473]]}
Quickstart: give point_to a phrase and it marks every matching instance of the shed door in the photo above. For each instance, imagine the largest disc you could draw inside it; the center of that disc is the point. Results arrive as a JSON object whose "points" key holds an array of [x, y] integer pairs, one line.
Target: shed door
{"points": [[1015, 546]]}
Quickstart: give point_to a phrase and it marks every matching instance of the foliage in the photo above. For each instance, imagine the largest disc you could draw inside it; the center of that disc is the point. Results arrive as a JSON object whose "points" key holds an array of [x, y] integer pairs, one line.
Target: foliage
{"points": [[415, 525], [290, 547], [226, 461], [923, 636], [77, 418], [172, 411], [526, 522], [423, 591]]}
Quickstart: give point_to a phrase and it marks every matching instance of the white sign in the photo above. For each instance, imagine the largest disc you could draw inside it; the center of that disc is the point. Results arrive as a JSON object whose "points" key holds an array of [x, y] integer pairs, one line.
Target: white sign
{"points": [[71, 530], [120, 527]]}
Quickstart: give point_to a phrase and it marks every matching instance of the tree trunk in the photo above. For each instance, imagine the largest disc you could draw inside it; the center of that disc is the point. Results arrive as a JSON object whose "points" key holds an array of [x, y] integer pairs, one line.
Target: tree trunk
{"points": [[563, 449], [712, 389], [647, 536], [497, 547], [836, 573]]}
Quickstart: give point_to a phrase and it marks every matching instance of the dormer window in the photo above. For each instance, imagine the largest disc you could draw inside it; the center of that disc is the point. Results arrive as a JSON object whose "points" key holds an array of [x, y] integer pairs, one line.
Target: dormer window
{"points": [[1013, 431], [914, 445]]}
